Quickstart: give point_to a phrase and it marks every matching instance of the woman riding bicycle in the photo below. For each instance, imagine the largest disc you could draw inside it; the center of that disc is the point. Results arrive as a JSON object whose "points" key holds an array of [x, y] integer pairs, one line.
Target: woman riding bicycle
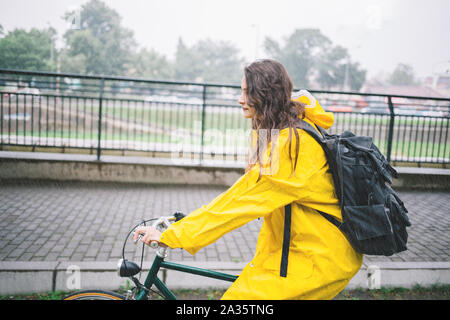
{"points": [[287, 167]]}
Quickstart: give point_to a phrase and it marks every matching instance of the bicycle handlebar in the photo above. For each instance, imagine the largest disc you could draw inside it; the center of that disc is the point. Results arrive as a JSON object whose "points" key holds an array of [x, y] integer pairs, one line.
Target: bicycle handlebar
{"points": [[162, 224]]}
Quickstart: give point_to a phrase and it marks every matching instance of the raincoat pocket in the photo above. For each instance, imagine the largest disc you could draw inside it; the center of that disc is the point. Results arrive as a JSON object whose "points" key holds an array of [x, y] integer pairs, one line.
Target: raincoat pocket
{"points": [[371, 231], [369, 221]]}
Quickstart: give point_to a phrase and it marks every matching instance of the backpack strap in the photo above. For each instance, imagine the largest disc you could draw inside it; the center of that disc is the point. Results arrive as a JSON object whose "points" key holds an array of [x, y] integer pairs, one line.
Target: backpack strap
{"points": [[330, 218], [286, 240], [287, 235], [336, 168], [312, 131], [288, 209]]}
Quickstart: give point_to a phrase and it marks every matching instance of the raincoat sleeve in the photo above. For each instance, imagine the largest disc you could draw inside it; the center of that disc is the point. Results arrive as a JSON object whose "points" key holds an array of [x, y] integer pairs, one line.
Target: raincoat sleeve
{"points": [[249, 198]]}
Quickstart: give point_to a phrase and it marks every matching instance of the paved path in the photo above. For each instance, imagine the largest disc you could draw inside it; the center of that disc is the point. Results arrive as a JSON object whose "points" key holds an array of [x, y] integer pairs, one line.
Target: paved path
{"points": [[85, 221]]}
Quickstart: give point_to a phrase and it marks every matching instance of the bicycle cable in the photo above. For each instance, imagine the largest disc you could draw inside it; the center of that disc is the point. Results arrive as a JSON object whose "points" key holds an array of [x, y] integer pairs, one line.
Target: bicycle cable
{"points": [[142, 256], [132, 229]]}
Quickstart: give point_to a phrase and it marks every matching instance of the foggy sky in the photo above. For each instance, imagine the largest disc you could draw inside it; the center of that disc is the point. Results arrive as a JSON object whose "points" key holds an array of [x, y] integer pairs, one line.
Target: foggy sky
{"points": [[379, 34]]}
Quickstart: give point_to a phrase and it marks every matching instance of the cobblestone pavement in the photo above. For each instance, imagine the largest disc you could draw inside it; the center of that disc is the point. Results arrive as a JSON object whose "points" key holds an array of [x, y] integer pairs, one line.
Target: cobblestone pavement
{"points": [[85, 221]]}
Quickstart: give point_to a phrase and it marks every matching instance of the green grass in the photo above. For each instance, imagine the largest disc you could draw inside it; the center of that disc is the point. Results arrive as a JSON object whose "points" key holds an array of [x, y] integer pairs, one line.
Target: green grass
{"points": [[50, 295], [238, 138], [435, 292], [180, 116], [419, 149], [407, 149], [399, 120], [159, 123]]}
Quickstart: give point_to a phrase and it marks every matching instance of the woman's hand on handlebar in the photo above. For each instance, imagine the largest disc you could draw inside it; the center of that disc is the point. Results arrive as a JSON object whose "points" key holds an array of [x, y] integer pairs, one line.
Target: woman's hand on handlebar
{"points": [[149, 234]]}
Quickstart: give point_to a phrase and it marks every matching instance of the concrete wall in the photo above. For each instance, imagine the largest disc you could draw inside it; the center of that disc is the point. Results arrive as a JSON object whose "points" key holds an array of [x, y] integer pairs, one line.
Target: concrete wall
{"points": [[22, 165], [27, 277], [113, 169]]}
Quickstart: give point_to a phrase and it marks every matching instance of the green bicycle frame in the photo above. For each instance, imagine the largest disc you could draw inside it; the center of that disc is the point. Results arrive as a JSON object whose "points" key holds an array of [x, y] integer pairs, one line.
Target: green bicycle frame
{"points": [[159, 262]]}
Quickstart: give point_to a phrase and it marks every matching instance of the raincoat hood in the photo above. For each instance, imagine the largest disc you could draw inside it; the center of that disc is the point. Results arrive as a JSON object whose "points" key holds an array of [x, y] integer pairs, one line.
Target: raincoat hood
{"points": [[313, 110]]}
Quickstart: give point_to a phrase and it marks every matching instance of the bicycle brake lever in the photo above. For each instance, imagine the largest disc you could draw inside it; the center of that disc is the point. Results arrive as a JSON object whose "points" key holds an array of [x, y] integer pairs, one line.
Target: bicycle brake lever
{"points": [[139, 237], [153, 244]]}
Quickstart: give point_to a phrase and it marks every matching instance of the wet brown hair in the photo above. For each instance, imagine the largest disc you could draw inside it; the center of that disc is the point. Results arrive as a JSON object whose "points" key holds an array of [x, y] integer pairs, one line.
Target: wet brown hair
{"points": [[269, 90]]}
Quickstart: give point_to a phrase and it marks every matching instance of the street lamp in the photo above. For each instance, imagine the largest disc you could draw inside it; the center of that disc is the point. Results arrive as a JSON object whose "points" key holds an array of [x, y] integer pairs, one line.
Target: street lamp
{"points": [[257, 30]]}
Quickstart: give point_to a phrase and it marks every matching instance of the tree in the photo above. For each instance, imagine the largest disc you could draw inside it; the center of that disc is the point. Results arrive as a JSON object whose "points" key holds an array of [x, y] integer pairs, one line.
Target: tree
{"points": [[27, 50], [187, 64], [309, 56], [337, 71], [101, 45], [299, 53], [356, 76], [403, 75], [332, 69], [150, 64], [208, 60]]}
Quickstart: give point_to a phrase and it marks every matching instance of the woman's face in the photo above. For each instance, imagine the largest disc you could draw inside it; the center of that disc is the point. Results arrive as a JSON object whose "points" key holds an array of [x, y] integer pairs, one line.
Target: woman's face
{"points": [[249, 112]]}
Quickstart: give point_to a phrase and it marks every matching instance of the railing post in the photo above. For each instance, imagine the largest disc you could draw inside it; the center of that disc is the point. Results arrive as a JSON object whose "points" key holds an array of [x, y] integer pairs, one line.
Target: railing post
{"points": [[203, 121], [391, 128], [99, 147]]}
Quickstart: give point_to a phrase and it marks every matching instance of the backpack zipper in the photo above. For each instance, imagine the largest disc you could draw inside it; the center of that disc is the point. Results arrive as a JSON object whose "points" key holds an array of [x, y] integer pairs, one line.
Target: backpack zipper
{"points": [[389, 220]]}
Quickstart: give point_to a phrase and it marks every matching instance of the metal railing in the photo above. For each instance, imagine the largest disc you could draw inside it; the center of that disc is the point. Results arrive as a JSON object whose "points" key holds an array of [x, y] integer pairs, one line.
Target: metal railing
{"points": [[189, 121]]}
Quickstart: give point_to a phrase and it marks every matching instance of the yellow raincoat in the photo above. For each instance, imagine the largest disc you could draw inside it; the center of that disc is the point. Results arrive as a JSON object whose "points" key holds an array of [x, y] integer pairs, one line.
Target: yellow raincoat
{"points": [[321, 260]]}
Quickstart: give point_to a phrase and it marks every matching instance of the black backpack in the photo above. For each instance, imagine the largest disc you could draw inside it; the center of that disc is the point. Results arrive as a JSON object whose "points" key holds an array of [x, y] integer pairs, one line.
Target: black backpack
{"points": [[374, 219]]}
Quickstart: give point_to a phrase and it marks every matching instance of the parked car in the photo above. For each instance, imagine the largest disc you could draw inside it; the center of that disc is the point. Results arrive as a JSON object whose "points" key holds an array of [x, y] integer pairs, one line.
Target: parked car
{"points": [[339, 108], [432, 113], [28, 91], [21, 91], [174, 99], [17, 116], [406, 110], [376, 108], [360, 102]]}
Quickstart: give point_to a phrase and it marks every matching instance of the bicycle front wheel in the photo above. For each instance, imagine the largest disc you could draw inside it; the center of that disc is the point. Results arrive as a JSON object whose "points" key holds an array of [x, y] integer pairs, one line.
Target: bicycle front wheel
{"points": [[94, 295]]}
